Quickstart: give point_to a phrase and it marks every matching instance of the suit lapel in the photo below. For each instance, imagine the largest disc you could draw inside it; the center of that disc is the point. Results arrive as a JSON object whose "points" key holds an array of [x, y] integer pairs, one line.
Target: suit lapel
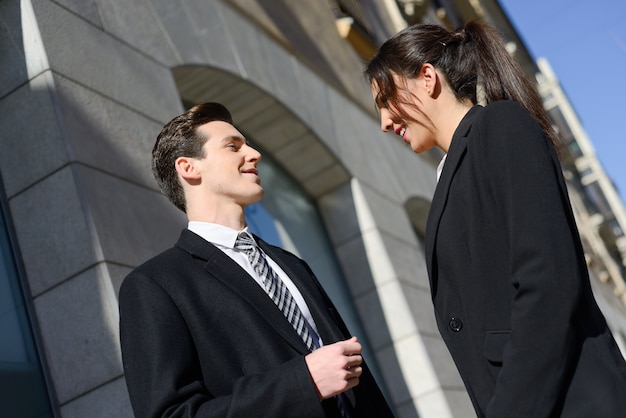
{"points": [[458, 148], [326, 318], [313, 295], [320, 306], [226, 271]]}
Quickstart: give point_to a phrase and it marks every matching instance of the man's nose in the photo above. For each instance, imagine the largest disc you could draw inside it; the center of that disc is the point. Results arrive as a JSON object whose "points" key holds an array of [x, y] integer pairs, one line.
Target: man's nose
{"points": [[253, 154]]}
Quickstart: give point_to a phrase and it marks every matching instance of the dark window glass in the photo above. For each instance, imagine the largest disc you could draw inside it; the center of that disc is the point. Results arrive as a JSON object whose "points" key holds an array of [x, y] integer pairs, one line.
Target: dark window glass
{"points": [[23, 391]]}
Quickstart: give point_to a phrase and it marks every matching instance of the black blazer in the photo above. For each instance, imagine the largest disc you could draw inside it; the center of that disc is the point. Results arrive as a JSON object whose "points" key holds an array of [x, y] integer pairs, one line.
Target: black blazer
{"points": [[509, 280], [200, 338]]}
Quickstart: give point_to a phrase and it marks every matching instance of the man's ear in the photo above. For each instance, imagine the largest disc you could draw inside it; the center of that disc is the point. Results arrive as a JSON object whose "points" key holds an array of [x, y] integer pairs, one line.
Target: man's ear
{"points": [[186, 169]]}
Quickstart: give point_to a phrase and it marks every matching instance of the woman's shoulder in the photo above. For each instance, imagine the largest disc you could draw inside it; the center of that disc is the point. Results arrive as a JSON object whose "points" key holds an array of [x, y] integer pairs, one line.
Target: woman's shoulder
{"points": [[504, 110], [505, 127], [505, 118]]}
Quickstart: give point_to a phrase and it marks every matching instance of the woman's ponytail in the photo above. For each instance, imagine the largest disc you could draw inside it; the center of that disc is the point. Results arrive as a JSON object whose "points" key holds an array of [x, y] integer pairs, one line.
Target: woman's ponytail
{"points": [[499, 75]]}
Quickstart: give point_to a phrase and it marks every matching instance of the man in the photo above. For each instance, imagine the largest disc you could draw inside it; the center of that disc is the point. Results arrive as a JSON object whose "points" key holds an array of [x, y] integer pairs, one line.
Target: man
{"points": [[204, 326]]}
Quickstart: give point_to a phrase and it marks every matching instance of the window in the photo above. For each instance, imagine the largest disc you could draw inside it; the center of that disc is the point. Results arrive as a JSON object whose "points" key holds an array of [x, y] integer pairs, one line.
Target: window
{"points": [[596, 196], [23, 391], [286, 217], [562, 127]]}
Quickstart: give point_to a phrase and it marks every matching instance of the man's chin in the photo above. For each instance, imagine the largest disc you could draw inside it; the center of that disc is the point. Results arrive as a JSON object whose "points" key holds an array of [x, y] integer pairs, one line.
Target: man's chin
{"points": [[256, 198]]}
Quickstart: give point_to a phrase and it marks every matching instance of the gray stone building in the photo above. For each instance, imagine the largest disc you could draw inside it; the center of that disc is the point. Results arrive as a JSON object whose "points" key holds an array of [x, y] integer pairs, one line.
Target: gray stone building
{"points": [[85, 87]]}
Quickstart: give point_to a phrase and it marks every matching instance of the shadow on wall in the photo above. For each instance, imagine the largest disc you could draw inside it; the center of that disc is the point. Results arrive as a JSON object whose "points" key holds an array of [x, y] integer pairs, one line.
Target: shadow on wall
{"points": [[82, 226], [75, 167], [23, 377], [291, 26], [417, 209]]}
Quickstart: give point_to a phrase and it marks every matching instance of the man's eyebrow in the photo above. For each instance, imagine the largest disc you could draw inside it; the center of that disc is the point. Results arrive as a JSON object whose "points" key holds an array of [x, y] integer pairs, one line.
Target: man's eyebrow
{"points": [[236, 138]]}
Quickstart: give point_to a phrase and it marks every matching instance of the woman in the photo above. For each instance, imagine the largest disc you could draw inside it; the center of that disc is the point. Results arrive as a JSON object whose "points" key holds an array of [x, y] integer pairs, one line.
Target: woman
{"points": [[508, 275]]}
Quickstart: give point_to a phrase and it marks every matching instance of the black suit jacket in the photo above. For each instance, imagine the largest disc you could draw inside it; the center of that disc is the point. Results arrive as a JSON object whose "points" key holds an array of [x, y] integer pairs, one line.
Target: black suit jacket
{"points": [[509, 280], [200, 338]]}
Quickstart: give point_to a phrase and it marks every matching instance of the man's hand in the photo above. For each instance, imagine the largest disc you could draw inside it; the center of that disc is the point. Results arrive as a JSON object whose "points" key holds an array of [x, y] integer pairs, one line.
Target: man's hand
{"points": [[335, 368]]}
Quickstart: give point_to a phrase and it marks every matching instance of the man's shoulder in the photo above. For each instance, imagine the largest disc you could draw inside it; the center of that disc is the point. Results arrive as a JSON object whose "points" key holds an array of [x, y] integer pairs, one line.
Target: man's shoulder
{"points": [[161, 265], [156, 270], [170, 256], [183, 258], [187, 245]]}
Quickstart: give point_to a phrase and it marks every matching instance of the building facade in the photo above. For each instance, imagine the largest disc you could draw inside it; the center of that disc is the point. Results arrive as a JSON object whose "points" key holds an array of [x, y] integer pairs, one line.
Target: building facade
{"points": [[86, 87], [599, 210]]}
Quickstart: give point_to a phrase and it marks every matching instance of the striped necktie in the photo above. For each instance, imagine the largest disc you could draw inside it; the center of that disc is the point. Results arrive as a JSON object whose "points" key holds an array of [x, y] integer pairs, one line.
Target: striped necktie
{"points": [[275, 288], [281, 296]]}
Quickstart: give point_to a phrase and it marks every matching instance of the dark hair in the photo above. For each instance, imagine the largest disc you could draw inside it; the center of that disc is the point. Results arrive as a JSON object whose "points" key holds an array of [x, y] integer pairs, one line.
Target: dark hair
{"points": [[472, 54], [180, 138]]}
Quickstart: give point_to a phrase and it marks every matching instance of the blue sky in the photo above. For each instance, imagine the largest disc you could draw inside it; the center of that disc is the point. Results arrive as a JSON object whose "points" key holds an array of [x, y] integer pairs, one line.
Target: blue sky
{"points": [[585, 43]]}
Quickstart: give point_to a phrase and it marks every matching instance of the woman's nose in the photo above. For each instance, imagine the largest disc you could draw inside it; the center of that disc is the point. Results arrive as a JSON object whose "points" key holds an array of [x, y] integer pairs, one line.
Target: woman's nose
{"points": [[386, 124]]}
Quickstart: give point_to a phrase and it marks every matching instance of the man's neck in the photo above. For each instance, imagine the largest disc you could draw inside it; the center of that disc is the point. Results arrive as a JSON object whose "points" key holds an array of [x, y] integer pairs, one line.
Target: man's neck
{"points": [[232, 217]]}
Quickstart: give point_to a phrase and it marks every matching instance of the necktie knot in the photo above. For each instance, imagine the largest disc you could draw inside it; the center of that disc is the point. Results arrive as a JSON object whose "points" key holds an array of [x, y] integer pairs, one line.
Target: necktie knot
{"points": [[245, 242]]}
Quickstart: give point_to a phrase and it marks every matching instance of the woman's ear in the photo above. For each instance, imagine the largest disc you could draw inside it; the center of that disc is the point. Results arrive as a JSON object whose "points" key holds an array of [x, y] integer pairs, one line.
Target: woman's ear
{"points": [[186, 168], [429, 77]]}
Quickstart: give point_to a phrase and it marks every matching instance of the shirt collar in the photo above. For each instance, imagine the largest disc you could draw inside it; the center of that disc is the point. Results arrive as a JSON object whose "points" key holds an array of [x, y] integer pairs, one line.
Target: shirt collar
{"points": [[219, 235]]}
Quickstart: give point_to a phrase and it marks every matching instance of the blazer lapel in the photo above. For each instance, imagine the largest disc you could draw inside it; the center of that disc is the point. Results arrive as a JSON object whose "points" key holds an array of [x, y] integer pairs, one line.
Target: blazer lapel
{"points": [[327, 319], [226, 271], [314, 296], [458, 148]]}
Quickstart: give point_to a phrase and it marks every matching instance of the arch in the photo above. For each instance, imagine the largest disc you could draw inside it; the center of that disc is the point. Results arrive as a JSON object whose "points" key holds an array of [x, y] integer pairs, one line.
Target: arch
{"points": [[275, 128]]}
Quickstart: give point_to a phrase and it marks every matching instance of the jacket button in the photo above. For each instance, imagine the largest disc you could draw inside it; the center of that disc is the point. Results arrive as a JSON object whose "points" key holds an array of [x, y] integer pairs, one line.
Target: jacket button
{"points": [[455, 324]]}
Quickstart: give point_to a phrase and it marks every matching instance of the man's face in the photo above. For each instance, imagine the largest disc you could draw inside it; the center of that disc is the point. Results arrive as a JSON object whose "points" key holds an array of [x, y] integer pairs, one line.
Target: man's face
{"points": [[229, 172]]}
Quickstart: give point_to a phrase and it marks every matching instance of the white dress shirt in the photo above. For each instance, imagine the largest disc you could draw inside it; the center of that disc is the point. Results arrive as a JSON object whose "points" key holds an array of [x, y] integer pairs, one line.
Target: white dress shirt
{"points": [[224, 238], [440, 166]]}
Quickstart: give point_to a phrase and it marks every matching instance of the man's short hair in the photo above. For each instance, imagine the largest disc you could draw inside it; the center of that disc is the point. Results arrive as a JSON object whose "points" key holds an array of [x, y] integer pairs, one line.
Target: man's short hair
{"points": [[180, 138]]}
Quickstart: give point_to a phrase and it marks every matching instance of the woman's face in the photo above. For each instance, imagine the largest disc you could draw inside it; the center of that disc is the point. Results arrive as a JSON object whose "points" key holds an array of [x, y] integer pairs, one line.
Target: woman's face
{"points": [[408, 113]]}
